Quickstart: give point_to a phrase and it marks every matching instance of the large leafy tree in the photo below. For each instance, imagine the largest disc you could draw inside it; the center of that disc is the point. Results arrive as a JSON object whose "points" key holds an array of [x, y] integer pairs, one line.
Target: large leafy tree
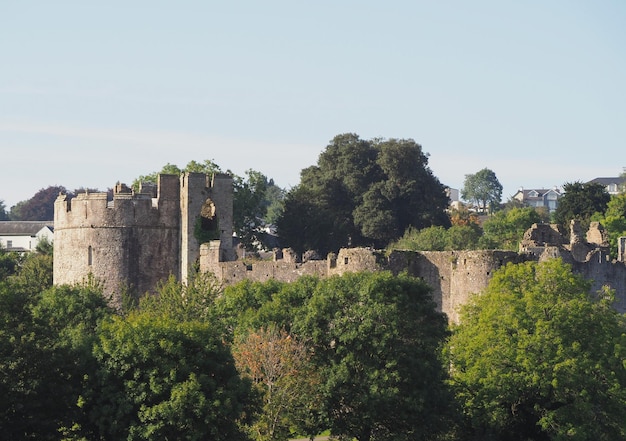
{"points": [[483, 189], [537, 356], [376, 340], [580, 202], [362, 193], [45, 353], [160, 378]]}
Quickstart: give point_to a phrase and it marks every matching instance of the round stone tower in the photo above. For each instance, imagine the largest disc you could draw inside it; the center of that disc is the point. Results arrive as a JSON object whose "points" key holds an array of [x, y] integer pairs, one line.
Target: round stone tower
{"points": [[136, 240]]}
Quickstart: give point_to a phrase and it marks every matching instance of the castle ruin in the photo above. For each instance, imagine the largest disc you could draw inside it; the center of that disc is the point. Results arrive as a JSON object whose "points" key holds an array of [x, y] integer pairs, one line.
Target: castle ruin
{"points": [[184, 224], [453, 275]]}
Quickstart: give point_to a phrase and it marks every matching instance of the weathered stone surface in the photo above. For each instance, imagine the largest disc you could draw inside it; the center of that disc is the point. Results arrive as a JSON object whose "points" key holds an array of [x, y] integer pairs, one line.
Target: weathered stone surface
{"points": [[454, 276]]}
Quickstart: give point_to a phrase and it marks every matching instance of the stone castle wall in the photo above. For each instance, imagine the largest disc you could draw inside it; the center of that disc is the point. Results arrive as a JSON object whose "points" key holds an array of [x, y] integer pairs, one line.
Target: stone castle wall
{"points": [[454, 276]]}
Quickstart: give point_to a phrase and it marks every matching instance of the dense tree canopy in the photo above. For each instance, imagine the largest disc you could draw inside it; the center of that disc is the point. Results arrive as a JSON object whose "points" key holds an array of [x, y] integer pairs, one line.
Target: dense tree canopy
{"points": [[580, 202], [45, 353], [376, 340], [482, 188], [160, 378], [362, 193], [536, 356]]}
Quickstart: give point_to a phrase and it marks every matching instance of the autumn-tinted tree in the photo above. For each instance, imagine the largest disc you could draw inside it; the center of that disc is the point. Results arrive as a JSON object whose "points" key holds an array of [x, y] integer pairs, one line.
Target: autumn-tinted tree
{"points": [[279, 366], [537, 356], [362, 193], [580, 202], [376, 340], [38, 208], [256, 315], [483, 189]]}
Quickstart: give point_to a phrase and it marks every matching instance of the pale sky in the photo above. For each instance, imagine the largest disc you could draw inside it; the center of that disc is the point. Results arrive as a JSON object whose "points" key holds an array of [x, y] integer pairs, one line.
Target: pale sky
{"points": [[92, 93]]}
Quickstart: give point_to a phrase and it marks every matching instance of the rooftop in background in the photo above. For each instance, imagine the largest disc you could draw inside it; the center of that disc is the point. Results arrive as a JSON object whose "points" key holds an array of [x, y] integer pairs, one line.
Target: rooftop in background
{"points": [[25, 235], [613, 185]]}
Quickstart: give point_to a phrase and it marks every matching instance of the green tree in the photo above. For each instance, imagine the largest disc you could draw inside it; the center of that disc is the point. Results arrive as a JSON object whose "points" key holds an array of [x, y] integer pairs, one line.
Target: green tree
{"points": [[45, 347], [9, 263], [376, 340], [3, 212], [426, 239], [580, 202], [463, 237], [160, 378], [362, 193], [536, 356], [250, 305], [184, 301], [250, 204], [34, 274], [505, 228], [483, 189], [457, 237], [274, 201], [614, 220]]}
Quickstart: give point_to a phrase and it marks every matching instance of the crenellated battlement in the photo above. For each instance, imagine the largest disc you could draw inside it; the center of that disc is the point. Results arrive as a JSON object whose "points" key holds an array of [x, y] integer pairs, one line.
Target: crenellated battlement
{"points": [[151, 206]]}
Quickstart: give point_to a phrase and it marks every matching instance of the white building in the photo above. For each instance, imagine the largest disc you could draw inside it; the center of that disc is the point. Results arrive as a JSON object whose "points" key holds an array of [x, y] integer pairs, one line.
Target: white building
{"points": [[25, 235]]}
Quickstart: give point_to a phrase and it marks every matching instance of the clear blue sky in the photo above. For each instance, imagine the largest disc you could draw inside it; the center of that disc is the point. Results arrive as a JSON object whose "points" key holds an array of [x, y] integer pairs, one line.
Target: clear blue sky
{"points": [[92, 93]]}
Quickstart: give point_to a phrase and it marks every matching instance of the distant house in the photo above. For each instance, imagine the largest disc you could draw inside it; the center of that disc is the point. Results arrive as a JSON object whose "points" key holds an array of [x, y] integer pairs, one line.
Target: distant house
{"points": [[613, 185], [548, 198], [24, 235]]}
